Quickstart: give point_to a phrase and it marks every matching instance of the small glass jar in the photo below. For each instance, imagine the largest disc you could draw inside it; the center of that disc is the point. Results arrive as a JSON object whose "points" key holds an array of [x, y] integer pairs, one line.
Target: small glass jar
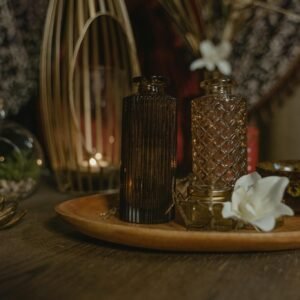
{"points": [[148, 153], [219, 153], [202, 211], [21, 159]]}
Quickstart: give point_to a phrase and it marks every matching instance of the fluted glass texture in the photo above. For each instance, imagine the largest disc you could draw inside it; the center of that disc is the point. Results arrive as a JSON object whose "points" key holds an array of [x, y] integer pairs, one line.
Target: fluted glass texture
{"points": [[148, 156]]}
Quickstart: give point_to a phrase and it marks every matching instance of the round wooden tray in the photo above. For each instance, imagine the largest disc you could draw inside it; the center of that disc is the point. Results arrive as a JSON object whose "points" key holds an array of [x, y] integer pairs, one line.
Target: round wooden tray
{"points": [[89, 216]]}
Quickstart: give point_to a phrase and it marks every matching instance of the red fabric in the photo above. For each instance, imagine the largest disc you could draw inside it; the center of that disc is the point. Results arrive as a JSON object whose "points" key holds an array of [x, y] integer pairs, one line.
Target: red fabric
{"points": [[253, 146]]}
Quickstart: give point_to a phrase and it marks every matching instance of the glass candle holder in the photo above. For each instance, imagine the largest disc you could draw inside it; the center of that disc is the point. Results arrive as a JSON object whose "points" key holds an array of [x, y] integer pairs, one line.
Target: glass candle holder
{"points": [[148, 155]]}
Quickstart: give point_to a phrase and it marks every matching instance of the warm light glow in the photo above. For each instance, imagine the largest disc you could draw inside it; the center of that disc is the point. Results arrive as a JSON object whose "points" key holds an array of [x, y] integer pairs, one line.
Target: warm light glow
{"points": [[2, 158], [39, 162], [103, 163], [98, 156], [130, 183], [111, 139], [93, 162]]}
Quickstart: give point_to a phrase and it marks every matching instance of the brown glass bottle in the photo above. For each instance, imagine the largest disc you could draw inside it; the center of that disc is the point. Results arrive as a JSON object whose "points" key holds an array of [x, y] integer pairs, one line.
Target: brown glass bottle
{"points": [[148, 153], [219, 154], [219, 149]]}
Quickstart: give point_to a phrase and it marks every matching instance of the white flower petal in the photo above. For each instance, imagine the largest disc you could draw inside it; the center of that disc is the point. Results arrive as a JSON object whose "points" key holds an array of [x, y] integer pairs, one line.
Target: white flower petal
{"points": [[224, 49], [270, 189], [237, 197], [247, 181], [206, 48], [247, 210], [257, 200], [197, 64], [213, 56], [224, 67], [282, 210], [227, 211], [265, 224], [250, 209], [210, 66]]}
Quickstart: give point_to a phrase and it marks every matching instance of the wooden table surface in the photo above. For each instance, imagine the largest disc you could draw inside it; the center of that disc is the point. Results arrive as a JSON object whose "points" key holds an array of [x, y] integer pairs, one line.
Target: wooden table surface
{"points": [[44, 258]]}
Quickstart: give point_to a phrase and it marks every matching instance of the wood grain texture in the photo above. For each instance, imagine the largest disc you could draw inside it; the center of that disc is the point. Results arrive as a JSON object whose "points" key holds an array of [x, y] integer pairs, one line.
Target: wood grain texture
{"points": [[44, 258], [86, 214]]}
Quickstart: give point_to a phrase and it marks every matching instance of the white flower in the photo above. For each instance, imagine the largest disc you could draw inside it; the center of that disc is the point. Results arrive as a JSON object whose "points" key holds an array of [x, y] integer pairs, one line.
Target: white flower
{"points": [[213, 56], [257, 201]]}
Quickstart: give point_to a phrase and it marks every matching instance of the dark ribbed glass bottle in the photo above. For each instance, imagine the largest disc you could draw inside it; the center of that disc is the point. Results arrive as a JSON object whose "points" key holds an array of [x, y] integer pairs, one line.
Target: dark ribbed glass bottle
{"points": [[148, 155]]}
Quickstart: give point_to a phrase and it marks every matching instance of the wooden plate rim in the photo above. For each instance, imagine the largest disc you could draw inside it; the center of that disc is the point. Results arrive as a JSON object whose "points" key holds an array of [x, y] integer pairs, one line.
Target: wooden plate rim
{"points": [[149, 236]]}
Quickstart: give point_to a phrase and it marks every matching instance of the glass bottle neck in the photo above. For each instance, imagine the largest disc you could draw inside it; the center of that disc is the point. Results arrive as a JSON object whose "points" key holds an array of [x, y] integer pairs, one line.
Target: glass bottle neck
{"points": [[218, 89], [152, 85], [151, 88], [218, 86]]}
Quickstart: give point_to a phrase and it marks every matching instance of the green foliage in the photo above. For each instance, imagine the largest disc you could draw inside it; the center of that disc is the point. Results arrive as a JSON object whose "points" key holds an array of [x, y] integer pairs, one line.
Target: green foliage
{"points": [[20, 165]]}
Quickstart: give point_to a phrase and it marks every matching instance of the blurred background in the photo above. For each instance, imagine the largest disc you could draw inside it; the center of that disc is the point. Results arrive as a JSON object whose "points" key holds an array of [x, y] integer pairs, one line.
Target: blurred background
{"points": [[265, 61]]}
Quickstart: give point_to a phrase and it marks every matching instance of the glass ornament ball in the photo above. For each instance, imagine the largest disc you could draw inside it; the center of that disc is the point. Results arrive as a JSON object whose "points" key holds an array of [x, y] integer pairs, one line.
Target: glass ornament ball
{"points": [[21, 161]]}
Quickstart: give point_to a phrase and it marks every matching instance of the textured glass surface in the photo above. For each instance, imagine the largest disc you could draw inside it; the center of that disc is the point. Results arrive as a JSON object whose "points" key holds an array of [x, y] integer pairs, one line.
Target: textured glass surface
{"points": [[218, 140], [198, 209], [204, 215], [148, 158], [219, 155]]}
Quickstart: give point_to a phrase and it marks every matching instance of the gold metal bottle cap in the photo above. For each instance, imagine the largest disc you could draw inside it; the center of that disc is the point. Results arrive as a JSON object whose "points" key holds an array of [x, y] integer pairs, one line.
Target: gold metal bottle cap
{"points": [[206, 194]]}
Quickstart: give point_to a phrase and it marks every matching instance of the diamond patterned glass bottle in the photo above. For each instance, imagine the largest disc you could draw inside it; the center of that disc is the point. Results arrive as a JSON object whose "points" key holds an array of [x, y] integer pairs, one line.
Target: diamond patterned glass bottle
{"points": [[219, 153], [148, 155], [219, 146]]}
